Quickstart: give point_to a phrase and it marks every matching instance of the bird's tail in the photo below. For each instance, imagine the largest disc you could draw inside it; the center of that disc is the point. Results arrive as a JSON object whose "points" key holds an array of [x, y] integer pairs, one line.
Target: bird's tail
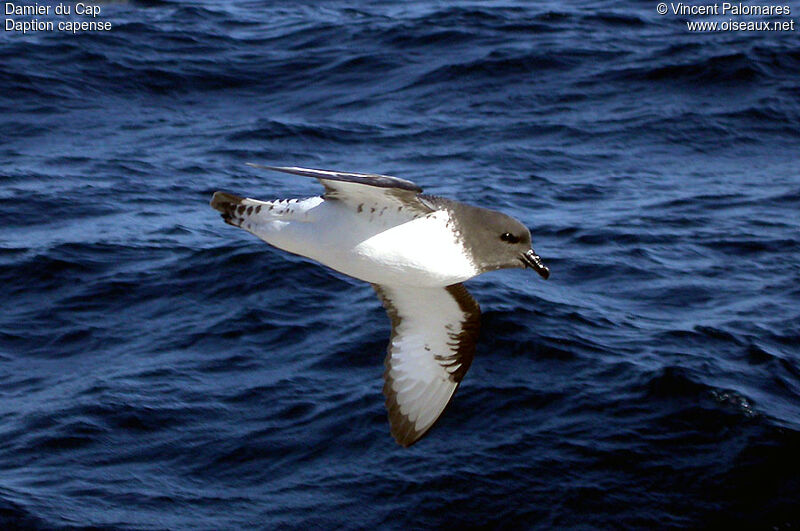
{"points": [[250, 213], [236, 210]]}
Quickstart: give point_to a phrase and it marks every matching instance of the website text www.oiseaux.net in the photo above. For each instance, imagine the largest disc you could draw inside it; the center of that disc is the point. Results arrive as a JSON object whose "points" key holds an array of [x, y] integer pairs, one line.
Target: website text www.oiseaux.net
{"points": [[739, 25]]}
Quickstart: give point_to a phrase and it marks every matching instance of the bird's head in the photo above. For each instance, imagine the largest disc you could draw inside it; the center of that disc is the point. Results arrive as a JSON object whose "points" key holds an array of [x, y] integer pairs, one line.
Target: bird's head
{"points": [[498, 241]]}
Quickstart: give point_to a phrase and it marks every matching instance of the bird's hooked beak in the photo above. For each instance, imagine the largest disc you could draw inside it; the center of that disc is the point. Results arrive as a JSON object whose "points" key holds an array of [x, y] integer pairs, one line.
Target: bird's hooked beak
{"points": [[532, 260]]}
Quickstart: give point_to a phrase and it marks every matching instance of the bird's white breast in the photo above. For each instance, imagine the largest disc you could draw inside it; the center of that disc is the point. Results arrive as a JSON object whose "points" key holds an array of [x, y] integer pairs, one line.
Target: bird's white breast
{"points": [[421, 252], [391, 248]]}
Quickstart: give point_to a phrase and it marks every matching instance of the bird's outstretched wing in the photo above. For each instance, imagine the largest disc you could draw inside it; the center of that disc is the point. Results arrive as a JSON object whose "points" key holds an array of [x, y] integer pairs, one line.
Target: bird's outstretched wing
{"points": [[365, 191], [434, 331]]}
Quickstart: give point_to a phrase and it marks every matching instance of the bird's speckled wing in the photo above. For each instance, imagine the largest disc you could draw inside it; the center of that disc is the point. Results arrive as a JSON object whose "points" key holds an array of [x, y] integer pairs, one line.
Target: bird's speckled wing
{"points": [[366, 192]]}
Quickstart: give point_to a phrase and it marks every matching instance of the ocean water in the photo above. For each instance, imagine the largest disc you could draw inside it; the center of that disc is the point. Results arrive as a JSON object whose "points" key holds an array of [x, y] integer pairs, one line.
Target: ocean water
{"points": [[162, 370]]}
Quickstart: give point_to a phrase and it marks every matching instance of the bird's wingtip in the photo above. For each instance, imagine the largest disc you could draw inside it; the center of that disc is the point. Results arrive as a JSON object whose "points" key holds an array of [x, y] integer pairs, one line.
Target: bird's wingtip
{"points": [[265, 167]]}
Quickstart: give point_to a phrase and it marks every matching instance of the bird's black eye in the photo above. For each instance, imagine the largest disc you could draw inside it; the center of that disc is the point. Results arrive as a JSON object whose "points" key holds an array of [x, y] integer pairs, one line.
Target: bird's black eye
{"points": [[508, 237]]}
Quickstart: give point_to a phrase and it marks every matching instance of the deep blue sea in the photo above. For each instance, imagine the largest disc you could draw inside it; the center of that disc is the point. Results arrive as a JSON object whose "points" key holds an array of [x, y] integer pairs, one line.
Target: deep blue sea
{"points": [[162, 370]]}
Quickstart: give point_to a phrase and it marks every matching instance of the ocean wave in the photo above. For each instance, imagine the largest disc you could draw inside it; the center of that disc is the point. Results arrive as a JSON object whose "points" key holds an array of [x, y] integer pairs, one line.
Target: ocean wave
{"points": [[160, 369]]}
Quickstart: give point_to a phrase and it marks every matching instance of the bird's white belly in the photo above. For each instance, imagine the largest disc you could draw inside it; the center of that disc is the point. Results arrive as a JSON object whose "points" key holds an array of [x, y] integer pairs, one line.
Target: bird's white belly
{"points": [[417, 252], [422, 252]]}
